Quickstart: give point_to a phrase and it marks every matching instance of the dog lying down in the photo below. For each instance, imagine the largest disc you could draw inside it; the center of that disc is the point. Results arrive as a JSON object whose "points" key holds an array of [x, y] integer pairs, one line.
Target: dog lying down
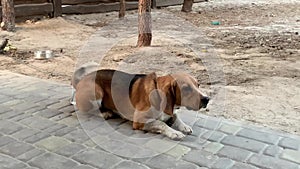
{"points": [[145, 99]]}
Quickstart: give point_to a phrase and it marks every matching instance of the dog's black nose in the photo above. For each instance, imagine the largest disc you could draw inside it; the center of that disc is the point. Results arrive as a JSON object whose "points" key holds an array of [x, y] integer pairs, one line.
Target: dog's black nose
{"points": [[204, 101]]}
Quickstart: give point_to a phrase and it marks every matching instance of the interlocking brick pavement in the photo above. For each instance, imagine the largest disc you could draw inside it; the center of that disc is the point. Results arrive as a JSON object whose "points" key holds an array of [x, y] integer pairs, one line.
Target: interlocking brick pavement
{"points": [[39, 129]]}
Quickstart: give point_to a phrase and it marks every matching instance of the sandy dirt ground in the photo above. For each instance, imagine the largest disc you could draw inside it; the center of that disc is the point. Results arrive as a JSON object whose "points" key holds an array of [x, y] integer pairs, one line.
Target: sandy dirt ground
{"points": [[258, 42]]}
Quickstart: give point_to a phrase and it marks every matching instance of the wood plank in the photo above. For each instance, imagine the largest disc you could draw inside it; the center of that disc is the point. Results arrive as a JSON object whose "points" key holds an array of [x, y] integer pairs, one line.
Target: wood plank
{"points": [[57, 8], [163, 3], [18, 2], [34, 17], [33, 9], [78, 2], [100, 8]]}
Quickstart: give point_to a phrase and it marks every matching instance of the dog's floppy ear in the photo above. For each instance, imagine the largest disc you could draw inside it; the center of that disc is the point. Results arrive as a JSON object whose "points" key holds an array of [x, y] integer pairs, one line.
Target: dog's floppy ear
{"points": [[169, 89], [155, 96]]}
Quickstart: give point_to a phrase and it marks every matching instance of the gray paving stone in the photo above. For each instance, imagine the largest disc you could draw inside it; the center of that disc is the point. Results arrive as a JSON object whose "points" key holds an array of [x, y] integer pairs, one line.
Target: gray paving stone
{"points": [[11, 103], [24, 133], [229, 128], [213, 136], [68, 109], [83, 167], [4, 98], [11, 114], [63, 131], [115, 122], [60, 116], [209, 123], [5, 109], [243, 166], [37, 122], [167, 146], [213, 147], [52, 143], [5, 140], [48, 102], [8, 128], [16, 148], [194, 142], [110, 145], [37, 137], [234, 153], [54, 128], [90, 124], [223, 163], [78, 136], [128, 150], [47, 113], [52, 161], [291, 155], [161, 161], [130, 164], [198, 131], [273, 150], [125, 129], [290, 143], [33, 110], [259, 136], [70, 149], [7, 162], [31, 168], [24, 106], [59, 105], [244, 143], [186, 165], [30, 154], [21, 117], [263, 161], [70, 121], [97, 158], [105, 129], [36, 99], [201, 158]]}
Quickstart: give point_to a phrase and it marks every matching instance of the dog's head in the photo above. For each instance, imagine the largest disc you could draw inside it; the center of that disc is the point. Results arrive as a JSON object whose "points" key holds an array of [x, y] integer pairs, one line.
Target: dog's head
{"points": [[188, 93], [181, 89]]}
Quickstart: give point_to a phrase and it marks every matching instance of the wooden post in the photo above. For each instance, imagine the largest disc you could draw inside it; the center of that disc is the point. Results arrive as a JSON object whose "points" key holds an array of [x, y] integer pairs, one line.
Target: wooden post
{"points": [[153, 4], [57, 8], [122, 9], [8, 15], [187, 5], [145, 25]]}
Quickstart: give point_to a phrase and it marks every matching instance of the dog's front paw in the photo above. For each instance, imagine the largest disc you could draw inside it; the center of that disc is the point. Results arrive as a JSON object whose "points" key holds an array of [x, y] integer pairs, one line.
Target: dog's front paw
{"points": [[106, 115], [175, 135], [185, 129]]}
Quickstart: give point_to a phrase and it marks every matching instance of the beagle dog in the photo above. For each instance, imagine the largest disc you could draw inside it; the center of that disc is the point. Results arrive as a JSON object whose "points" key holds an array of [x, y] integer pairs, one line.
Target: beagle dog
{"points": [[145, 99]]}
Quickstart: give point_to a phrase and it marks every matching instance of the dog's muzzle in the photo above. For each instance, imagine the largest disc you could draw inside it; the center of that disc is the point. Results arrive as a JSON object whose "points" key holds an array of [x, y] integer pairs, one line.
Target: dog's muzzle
{"points": [[204, 102]]}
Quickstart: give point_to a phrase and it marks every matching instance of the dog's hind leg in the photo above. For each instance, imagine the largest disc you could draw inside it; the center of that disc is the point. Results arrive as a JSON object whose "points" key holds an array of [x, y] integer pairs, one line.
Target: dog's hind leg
{"points": [[89, 98]]}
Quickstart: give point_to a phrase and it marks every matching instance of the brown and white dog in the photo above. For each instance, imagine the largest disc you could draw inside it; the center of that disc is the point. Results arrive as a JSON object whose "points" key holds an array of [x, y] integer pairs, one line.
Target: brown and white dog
{"points": [[145, 99]]}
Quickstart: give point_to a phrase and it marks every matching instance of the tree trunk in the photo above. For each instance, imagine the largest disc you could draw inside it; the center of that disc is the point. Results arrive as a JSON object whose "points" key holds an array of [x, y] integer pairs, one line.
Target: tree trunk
{"points": [[145, 25], [187, 5], [122, 9], [8, 15]]}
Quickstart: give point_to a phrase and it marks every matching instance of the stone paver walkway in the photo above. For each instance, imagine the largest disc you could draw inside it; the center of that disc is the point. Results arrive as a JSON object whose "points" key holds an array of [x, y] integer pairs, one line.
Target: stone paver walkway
{"points": [[40, 129]]}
